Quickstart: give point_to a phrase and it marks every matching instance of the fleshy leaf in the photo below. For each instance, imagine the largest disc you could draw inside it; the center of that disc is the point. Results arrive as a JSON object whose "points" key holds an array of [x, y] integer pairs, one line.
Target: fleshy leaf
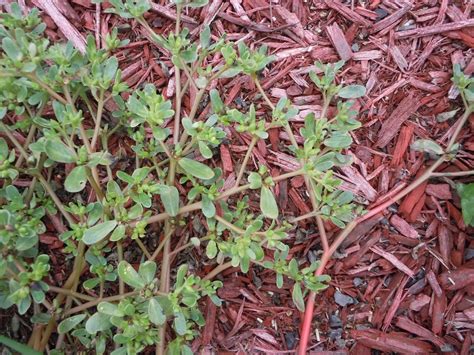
{"points": [[170, 198], [128, 274], [98, 232], [466, 192], [69, 323], [427, 145], [76, 180], [297, 296], [155, 312], [59, 152], [352, 92], [268, 205], [196, 169]]}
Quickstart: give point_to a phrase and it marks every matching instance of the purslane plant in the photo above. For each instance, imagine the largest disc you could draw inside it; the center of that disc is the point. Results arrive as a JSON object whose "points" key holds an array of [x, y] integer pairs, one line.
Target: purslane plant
{"points": [[53, 103]]}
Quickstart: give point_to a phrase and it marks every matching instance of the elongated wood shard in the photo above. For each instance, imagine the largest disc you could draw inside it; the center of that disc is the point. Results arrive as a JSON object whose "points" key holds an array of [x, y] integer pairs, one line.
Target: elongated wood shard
{"points": [[339, 42], [391, 126]]}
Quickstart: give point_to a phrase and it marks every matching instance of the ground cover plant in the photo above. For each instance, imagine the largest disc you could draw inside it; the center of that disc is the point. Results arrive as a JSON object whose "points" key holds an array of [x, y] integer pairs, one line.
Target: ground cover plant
{"points": [[60, 109]]}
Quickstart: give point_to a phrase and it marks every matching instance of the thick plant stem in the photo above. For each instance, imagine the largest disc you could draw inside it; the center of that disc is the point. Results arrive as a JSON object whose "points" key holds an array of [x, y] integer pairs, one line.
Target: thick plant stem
{"points": [[225, 194], [217, 270], [13, 139], [197, 101], [143, 248], [87, 144], [29, 138], [55, 199], [72, 279], [245, 161], [308, 315], [165, 265], [95, 186], [161, 245], [68, 292], [98, 120], [96, 301], [120, 258], [46, 88], [454, 173], [193, 112], [177, 116], [307, 178]]}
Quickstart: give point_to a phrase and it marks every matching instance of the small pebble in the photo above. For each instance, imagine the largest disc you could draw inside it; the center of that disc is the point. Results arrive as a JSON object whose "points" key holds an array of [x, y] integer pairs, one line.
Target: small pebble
{"points": [[342, 299], [469, 254], [381, 13], [290, 338], [357, 281], [335, 334], [335, 321]]}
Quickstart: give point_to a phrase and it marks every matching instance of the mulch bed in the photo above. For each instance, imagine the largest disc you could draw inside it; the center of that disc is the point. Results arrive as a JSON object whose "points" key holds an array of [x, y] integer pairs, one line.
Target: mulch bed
{"points": [[403, 280]]}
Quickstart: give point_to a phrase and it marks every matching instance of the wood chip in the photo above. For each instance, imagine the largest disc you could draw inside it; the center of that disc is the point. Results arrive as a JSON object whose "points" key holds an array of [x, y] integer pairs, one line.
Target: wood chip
{"points": [[170, 13], [403, 227], [436, 29], [390, 20], [68, 30], [441, 191], [347, 12], [339, 41], [408, 106], [393, 260], [411, 327], [419, 302], [431, 277], [391, 342], [360, 183]]}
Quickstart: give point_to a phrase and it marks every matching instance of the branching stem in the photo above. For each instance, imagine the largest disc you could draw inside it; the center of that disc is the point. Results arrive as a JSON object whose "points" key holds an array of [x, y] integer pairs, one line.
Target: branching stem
{"points": [[245, 161], [308, 315]]}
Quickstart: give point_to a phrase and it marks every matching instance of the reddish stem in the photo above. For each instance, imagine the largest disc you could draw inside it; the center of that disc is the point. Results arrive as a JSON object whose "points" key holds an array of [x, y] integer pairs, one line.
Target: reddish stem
{"points": [[308, 314]]}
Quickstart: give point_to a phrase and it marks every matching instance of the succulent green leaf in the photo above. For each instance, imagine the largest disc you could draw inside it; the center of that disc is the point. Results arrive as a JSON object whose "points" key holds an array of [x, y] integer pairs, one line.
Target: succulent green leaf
{"points": [[211, 249], [76, 180], [428, 146], [97, 323], [98, 232], [338, 140], [466, 192], [110, 68], [118, 232], [297, 297], [268, 204], [180, 323], [147, 271], [128, 274], [110, 309], [70, 323], [352, 92], [59, 152], [205, 151], [196, 169], [205, 37], [155, 312], [444, 116], [216, 101], [170, 198], [11, 49], [208, 207], [255, 180]]}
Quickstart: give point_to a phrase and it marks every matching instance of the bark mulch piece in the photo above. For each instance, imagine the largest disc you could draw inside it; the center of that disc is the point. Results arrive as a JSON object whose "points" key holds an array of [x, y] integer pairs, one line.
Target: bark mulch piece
{"points": [[409, 272]]}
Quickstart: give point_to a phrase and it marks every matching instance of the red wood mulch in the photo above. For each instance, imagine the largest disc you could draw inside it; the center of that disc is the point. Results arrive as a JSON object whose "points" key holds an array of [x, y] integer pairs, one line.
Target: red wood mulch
{"points": [[403, 281]]}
